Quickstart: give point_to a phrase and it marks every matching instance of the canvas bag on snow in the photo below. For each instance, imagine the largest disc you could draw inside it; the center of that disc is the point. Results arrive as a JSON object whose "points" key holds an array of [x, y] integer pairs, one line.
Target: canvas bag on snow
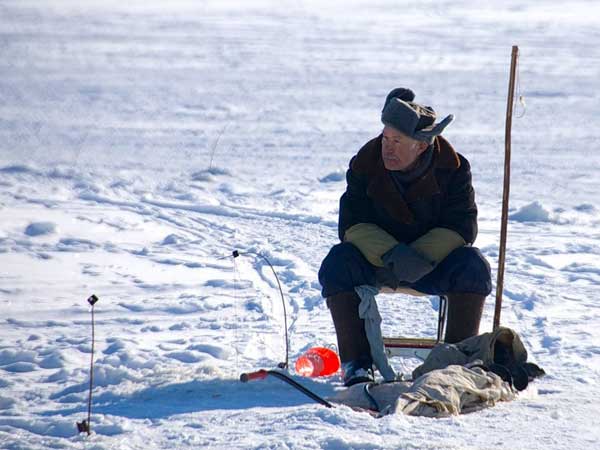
{"points": [[500, 351], [453, 380]]}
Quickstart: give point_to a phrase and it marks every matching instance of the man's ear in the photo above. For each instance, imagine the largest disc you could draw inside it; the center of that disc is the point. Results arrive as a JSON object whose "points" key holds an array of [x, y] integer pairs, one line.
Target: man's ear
{"points": [[423, 146]]}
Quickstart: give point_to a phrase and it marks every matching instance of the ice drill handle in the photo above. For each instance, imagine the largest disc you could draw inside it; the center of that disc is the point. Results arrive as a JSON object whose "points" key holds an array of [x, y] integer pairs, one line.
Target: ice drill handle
{"points": [[258, 375]]}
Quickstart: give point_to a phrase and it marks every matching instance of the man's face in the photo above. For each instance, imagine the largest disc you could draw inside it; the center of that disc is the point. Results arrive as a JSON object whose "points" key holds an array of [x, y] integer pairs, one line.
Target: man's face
{"points": [[399, 151]]}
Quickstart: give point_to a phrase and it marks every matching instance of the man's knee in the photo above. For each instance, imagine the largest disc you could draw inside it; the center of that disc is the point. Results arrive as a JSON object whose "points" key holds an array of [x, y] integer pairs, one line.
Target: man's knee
{"points": [[465, 270], [343, 268], [471, 271]]}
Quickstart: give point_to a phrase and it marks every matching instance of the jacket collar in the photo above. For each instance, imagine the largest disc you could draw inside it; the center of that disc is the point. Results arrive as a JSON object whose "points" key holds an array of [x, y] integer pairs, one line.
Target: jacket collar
{"points": [[381, 188]]}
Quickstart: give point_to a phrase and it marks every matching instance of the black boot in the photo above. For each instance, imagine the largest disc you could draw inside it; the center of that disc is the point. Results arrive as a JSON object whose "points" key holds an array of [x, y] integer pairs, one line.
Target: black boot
{"points": [[353, 345], [464, 315]]}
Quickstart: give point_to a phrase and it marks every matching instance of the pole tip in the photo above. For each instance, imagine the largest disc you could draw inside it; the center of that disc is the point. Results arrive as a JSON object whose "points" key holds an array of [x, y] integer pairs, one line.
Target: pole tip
{"points": [[83, 427]]}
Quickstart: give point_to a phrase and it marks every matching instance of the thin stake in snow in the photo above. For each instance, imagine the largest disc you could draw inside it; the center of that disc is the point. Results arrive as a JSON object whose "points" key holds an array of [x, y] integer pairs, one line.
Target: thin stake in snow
{"points": [[506, 192], [214, 148], [84, 426]]}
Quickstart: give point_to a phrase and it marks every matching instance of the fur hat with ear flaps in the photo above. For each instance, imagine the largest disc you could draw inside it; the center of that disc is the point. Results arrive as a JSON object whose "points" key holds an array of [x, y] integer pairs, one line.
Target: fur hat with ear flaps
{"points": [[414, 120]]}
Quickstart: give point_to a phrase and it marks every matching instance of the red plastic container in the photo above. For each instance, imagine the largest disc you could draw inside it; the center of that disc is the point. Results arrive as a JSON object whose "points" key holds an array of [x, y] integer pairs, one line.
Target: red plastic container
{"points": [[318, 362]]}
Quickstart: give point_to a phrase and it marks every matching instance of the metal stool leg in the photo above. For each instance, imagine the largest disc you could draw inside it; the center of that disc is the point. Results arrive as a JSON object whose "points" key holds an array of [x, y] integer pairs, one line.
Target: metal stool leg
{"points": [[442, 317], [419, 347]]}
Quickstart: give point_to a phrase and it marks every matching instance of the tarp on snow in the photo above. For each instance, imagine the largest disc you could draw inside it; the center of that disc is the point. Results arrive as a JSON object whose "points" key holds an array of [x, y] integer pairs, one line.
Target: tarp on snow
{"points": [[454, 379], [439, 393]]}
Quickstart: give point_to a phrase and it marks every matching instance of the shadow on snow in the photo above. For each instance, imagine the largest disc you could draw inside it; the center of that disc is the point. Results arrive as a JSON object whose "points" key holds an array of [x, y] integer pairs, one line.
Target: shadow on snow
{"points": [[197, 396]]}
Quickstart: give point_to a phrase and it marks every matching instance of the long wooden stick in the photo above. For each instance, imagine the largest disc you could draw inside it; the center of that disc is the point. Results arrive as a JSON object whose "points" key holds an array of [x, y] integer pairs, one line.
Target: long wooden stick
{"points": [[505, 195]]}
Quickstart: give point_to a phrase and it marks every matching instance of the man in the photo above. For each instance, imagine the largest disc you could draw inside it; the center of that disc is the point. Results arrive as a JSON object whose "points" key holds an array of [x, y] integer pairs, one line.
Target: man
{"points": [[407, 219]]}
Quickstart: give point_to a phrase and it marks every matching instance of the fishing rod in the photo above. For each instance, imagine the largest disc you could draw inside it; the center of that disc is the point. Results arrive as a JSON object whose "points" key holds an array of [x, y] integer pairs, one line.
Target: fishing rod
{"points": [[262, 374], [285, 363]]}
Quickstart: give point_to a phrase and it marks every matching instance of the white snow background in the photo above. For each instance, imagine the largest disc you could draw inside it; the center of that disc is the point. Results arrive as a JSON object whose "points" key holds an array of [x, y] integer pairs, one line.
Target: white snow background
{"points": [[141, 142]]}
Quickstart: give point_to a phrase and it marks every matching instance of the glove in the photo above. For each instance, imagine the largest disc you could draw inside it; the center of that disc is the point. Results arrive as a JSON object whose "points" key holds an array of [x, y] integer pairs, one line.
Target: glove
{"points": [[406, 263]]}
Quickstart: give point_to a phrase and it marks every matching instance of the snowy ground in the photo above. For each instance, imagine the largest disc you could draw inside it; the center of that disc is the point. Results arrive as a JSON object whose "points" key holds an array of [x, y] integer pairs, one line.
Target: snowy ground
{"points": [[142, 142]]}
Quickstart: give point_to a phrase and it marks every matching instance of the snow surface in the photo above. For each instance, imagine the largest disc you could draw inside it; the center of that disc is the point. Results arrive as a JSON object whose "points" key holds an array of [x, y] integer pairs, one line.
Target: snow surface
{"points": [[141, 142]]}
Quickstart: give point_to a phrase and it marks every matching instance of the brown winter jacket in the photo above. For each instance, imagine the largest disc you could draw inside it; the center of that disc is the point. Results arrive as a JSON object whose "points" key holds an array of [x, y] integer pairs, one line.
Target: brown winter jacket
{"points": [[440, 200]]}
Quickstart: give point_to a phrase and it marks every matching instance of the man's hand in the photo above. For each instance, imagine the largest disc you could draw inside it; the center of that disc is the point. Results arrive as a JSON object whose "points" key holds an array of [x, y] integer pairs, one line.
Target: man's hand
{"points": [[406, 263]]}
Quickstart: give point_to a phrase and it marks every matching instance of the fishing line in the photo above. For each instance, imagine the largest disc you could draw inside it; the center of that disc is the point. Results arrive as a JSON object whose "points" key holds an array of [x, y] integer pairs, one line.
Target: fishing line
{"points": [[519, 96], [214, 148], [236, 313], [235, 254]]}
